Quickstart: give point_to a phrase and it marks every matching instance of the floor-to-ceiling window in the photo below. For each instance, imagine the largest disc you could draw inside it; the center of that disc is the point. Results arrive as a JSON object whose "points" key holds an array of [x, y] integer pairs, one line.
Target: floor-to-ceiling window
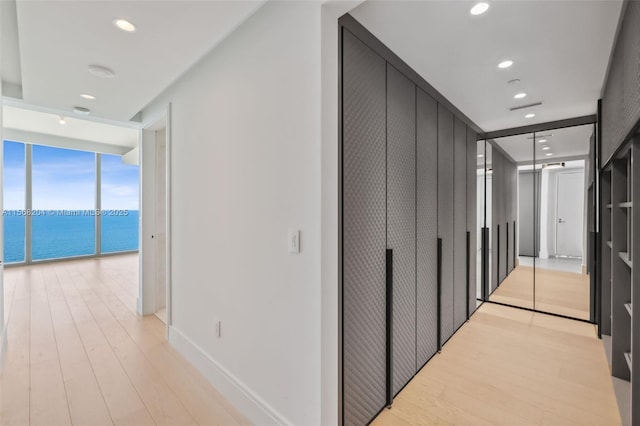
{"points": [[61, 203], [119, 203], [63, 199], [14, 190]]}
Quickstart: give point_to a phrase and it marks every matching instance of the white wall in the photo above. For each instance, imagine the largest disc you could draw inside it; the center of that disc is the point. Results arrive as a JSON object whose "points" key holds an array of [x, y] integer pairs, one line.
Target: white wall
{"points": [[246, 167]]}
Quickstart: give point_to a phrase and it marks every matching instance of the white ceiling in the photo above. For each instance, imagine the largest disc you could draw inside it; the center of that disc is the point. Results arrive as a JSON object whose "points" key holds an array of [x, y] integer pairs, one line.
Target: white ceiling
{"points": [[560, 51], [59, 39], [14, 118], [570, 142]]}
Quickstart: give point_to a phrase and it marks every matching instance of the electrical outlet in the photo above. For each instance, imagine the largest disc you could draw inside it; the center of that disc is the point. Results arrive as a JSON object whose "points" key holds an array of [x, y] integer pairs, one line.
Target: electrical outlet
{"points": [[218, 329]]}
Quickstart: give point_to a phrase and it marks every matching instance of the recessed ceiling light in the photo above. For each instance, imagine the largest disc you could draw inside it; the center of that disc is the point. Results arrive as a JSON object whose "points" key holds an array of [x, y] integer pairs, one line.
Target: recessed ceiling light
{"points": [[542, 140], [87, 96], [549, 154], [124, 25], [479, 8], [545, 148], [102, 72], [530, 115], [480, 155], [520, 95], [505, 64], [81, 110], [62, 120]]}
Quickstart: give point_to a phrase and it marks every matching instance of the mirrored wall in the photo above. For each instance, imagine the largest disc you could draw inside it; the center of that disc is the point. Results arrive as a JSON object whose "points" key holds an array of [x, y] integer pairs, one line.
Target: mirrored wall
{"points": [[533, 215]]}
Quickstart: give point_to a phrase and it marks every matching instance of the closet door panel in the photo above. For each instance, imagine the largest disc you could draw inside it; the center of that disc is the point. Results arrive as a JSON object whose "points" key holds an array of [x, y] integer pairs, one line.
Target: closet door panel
{"points": [[472, 208], [364, 231], [427, 214], [401, 221], [445, 216], [460, 224]]}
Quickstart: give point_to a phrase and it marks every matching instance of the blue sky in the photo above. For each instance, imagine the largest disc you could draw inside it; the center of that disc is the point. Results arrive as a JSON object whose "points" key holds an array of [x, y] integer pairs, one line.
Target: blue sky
{"points": [[65, 179]]}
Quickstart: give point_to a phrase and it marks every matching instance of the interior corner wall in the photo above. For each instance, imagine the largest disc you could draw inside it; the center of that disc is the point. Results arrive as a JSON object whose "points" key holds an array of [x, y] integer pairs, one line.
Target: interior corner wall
{"points": [[246, 168]]}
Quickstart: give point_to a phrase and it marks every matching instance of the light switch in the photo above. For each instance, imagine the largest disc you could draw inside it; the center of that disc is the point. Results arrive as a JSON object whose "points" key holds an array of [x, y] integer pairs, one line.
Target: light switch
{"points": [[294, 241]]}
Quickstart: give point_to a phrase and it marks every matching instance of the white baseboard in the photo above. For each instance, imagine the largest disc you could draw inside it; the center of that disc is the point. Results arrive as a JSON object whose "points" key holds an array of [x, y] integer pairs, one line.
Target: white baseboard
{"points": [[257, 410]]}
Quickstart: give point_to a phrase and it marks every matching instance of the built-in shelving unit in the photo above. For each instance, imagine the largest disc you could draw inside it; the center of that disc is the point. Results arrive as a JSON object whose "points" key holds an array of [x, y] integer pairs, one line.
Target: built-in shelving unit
{"points": [[620, 236]]}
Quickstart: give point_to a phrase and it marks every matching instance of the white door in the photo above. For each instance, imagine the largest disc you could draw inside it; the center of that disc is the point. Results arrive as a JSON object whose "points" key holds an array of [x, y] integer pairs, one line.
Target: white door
{"points": [[570, 211], [161, 224]]}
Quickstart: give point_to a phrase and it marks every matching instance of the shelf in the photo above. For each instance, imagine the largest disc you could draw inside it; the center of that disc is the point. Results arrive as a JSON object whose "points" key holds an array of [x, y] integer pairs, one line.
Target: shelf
{"points": [[625, 258], [629, 309], [625, 205], [609, 244], [627, 356], [609, 206]]}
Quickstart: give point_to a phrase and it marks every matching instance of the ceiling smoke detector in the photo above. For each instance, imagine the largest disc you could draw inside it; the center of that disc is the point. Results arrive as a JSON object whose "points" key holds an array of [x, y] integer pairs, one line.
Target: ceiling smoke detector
{"points": [[81, 110], [100, 71]]}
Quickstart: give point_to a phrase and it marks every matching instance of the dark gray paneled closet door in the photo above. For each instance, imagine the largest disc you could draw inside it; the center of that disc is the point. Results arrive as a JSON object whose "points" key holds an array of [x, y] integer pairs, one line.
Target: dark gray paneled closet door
{"points": [[364, 231], [445, 215], [401, 220], [472, 212], [460, 224], [427, 220]]}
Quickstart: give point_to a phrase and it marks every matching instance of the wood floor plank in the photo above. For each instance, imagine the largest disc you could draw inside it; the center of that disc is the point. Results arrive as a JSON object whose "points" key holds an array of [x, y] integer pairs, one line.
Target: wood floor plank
{"points": [[510, 367], [79, 354]]}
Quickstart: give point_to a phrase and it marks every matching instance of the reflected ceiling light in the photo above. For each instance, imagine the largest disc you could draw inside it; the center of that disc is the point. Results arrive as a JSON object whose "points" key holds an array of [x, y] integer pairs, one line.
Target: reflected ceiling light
{"points": [[545, 148], [87, 96], [542, 140], [124, 25], [62, 120], [549, 154], [520, 95], [479, 8], [480, 155], [506, 64], [100, 71], [530, 115], [81, 110]]}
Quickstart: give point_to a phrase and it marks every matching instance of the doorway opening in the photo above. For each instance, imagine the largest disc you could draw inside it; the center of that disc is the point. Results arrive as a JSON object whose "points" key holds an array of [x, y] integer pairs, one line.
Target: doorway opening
{"points": [[155, 244]]}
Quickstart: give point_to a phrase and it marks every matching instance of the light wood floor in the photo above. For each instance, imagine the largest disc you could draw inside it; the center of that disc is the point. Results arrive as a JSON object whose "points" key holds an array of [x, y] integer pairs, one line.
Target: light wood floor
{"points": [[78, 353], [559, 292], [507, 366]]}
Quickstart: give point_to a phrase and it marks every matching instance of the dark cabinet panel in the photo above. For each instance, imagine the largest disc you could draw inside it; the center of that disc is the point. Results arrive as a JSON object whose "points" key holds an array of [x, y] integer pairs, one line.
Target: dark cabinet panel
{"points": [[459, 224], [364, 231], [427, 214], [401, 220], [472, 214], [445, 215]]}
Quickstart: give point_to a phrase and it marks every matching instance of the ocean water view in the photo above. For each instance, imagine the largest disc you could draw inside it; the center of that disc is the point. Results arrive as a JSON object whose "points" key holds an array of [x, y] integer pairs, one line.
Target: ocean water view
{"points": [[58, 236]]}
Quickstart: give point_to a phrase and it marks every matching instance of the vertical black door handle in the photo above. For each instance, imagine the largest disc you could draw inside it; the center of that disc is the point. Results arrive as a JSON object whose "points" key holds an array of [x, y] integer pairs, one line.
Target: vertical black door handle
{"points": [[389, 326], [439, 298], [468, 271]]}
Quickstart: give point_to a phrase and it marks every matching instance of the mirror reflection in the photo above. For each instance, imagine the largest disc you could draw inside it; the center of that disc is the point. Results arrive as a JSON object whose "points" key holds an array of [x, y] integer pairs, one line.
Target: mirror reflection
{"points": [[512, 282], [562, 283], [533, 218]]}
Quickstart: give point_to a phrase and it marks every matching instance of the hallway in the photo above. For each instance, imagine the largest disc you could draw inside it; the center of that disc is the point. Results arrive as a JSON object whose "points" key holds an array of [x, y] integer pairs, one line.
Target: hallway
{"points": [[511, 367], [78, 354]]}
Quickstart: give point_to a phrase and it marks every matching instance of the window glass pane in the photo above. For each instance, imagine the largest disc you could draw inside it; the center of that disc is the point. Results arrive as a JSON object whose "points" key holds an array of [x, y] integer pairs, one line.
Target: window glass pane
{"points": [[119, 205], [63, 202], [14, 183]]}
